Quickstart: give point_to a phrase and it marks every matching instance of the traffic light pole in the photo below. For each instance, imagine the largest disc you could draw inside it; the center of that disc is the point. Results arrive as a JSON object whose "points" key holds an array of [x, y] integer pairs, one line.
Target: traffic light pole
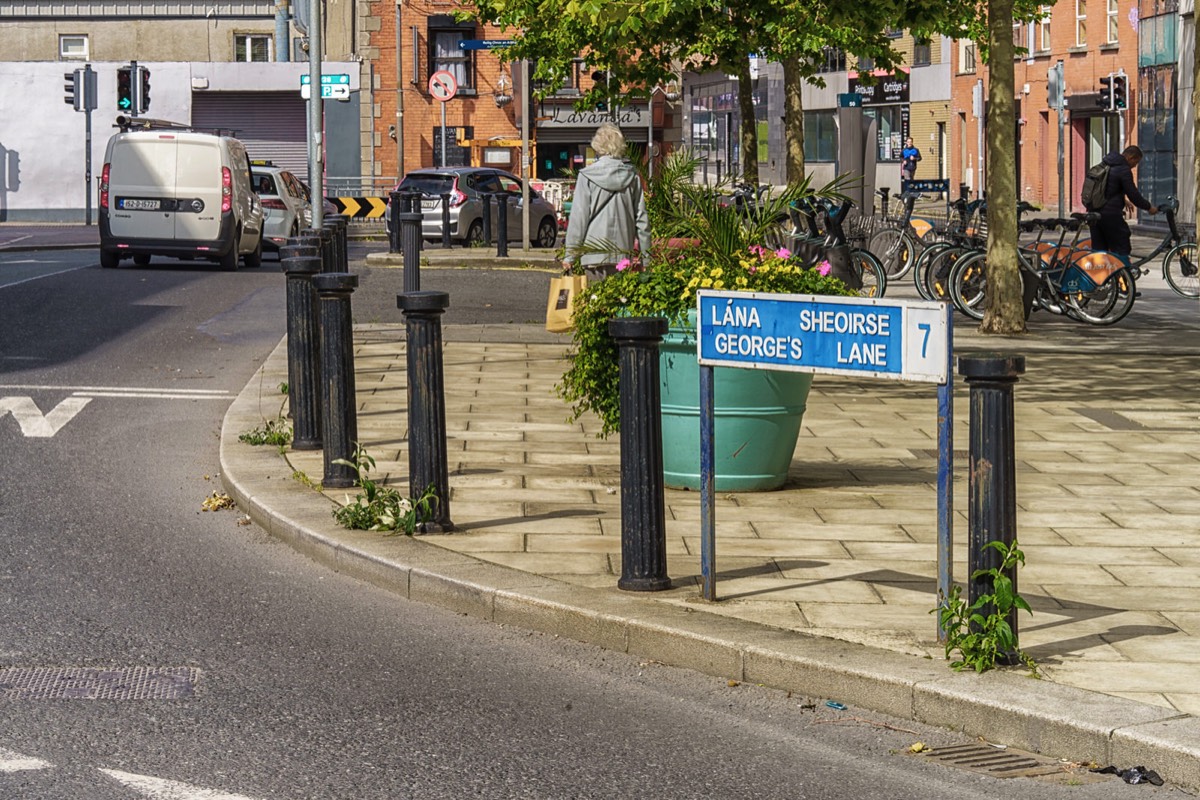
{"points": [[87, 147]]}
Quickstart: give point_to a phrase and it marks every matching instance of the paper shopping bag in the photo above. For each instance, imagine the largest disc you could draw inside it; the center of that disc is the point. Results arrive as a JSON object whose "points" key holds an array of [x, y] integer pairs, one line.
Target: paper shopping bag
{"points": [[559, 304]]}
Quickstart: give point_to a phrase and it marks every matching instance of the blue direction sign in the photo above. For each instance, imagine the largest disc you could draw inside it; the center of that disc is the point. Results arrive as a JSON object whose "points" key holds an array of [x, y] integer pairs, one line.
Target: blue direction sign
{"points": [[898, 339], [485, 44]]}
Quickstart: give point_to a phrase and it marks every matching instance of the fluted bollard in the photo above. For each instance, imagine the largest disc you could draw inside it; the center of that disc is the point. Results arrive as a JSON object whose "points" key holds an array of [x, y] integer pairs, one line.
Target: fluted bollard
{"points": [[446, 220], [339, 225], [992, 472], [427, 460], [410, 246], [501, 226], [643, 519], [486, 197], [300, 263], [339, 417], [394, 209]]}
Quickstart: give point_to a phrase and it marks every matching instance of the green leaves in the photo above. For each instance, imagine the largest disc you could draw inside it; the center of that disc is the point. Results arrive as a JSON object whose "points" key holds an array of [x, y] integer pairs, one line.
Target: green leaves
{"points": [[381, 508]]}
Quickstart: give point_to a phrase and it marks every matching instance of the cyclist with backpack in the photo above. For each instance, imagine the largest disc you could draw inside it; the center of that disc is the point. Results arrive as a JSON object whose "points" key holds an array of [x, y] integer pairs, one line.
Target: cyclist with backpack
{"points": [[1111, 232]]}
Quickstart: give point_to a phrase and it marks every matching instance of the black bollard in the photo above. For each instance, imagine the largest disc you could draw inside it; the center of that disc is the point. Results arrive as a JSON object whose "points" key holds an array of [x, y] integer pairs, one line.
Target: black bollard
{"points": [[427, 460], [446, 220], [394, 209], [992, 479], [501, 226], [300, 263], [643, 519], [486, 197], [410, 246], [339, 416], [338, 225], [324, 237]]}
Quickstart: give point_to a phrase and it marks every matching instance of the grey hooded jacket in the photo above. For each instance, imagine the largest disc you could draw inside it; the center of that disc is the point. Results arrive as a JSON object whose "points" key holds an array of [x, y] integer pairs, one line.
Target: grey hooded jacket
{"points": [[607, 211]]}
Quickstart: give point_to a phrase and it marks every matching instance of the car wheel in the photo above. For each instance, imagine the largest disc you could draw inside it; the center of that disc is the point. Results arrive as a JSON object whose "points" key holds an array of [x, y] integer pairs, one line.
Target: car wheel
{"points": [[547, 233], [229, 261], [142, 260], [109, 259], [254, 257], [475, 234]]}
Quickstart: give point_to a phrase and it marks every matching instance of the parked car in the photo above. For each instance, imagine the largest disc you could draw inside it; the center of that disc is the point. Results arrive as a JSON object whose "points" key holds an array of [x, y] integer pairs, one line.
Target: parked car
{"points": [[286, 210], [178, 193], [466, 185]]}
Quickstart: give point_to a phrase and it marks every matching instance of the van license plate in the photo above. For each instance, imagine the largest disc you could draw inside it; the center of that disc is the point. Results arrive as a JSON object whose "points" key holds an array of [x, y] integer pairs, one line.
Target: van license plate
{"points": [[136, 204]]}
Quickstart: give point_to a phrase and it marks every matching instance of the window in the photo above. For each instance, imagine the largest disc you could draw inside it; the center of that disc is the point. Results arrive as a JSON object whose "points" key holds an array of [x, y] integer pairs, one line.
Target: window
{"points": [[1081, 23], [1043, 31], [966, 56], [1113, 21], [1018, 38], [922, 56], [73, 47], [820, 136], [888, 130], [445, 53], [251, 47], [866, 64], [835, 60]]}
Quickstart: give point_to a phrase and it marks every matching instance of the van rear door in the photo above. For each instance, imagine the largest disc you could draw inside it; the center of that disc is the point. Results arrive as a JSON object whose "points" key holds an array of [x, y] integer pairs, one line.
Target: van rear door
{"points": [[143, 176], [198, 188]]}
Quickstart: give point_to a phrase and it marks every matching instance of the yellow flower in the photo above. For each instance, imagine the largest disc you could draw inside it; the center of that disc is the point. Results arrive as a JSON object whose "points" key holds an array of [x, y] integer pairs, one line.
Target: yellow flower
{"points": [[706, 283], [718, 284]]}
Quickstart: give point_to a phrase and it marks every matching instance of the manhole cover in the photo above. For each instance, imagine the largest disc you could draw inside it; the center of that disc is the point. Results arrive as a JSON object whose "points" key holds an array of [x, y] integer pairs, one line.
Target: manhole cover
{"points": [[995, 762], [98, 683]]}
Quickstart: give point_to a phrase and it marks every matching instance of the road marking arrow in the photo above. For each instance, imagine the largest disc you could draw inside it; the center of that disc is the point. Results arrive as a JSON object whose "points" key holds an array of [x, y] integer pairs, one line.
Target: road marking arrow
{"points": [[33, 424], [15, 762], [160, 789]]}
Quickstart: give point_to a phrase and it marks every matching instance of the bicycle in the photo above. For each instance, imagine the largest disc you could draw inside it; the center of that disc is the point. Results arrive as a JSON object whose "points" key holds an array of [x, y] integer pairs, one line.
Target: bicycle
{"points": [[897, 245], [1179, 266], [825, 243]]}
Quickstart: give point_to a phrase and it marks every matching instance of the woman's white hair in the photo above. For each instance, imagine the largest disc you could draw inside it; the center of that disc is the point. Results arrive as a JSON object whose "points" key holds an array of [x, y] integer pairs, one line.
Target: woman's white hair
{"points": [[609, 141]]}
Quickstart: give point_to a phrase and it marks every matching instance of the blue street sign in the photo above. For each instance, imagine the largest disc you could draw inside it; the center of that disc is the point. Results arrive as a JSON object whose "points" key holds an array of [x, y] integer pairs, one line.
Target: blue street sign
{"points": [[485, 44], [849, 100], [898, 339]]}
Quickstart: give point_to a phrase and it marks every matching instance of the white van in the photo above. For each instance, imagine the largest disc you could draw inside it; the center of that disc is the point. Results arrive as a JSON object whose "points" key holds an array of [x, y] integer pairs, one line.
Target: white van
{"points": [[180, 193]]}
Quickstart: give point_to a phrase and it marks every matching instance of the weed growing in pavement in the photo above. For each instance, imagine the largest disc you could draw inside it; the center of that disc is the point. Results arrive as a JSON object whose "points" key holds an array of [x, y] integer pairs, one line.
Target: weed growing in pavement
{"points": [[271, 431], [301, 477], [381, 508], [983, 639]]}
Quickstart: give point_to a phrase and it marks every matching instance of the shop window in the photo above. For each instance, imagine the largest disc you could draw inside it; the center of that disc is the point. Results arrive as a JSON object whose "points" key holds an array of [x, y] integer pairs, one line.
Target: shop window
{"points": [[251, 47], [73, 47], [889, 130], [445, 52]]}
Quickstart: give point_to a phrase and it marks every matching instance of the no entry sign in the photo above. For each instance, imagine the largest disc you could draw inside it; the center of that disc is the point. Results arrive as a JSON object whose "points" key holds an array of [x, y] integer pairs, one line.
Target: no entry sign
{"points": [[442, 85]]}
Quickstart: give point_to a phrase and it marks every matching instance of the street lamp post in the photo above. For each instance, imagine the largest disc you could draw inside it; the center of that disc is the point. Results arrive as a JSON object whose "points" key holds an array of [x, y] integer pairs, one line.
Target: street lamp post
{"points": [[670, 94]]}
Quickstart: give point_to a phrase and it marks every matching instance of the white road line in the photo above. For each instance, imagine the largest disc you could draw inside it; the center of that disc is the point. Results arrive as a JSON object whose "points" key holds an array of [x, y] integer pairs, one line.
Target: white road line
{"points": [[36, 425], [15, 762], [4, 285], [159, 395], [43, 387], [160, 789]]}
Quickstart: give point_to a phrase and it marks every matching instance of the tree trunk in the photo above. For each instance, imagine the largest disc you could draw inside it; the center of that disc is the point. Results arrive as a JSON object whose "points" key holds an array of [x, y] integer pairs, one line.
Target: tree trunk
{"points": [[793, 120], [749, 124], [1005, 313]]}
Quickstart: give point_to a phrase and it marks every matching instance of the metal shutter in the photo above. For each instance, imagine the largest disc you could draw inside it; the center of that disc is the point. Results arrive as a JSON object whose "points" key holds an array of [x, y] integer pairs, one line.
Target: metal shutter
{"points": [[272, 125]]}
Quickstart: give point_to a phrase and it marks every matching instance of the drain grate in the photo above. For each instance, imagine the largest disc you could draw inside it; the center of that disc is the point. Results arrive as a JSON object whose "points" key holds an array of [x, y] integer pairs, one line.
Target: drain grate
{"points": [[1007, 763], [92, 683]]}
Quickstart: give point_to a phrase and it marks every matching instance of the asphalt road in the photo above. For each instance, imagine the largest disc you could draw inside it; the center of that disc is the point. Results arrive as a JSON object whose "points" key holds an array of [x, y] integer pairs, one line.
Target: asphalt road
{"points": [[284, 680]]}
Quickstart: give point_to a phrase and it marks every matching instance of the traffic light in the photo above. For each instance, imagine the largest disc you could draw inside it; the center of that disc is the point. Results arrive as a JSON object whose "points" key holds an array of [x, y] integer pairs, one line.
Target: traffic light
{"points": [[1120, 89], [125, 90], [1105, 99], [73, 89], [144, 94]]}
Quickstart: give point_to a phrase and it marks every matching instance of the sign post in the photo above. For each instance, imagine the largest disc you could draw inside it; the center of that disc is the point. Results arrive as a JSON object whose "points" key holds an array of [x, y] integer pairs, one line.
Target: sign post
{"points": [[443, 87], [903, 340]]}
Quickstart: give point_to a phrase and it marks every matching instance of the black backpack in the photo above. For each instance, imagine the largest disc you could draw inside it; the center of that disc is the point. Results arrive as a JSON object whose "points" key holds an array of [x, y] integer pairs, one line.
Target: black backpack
{"points": [[1095, 187]]}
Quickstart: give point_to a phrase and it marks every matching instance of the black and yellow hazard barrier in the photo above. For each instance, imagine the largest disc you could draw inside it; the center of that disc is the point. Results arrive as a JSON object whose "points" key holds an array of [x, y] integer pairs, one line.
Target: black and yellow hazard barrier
{"points": [[361, 207]]}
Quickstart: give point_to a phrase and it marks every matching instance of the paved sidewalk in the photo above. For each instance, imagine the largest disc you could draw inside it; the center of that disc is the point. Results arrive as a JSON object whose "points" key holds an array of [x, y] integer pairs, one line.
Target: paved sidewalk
{"points": [[825, 586]]}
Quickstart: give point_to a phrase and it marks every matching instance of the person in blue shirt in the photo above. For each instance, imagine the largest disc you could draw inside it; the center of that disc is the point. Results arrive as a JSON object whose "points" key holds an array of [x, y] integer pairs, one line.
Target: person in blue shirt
{"points": [[909, 157]]}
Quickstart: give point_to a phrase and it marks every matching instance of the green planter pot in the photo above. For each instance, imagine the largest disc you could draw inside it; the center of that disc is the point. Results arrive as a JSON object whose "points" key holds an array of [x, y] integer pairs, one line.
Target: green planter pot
{"points": [[757, 419]]}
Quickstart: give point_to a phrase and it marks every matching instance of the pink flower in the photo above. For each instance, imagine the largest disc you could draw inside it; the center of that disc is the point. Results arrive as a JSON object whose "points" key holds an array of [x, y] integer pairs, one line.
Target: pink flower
{"points": [[824, 268], [623, 264], [783, 252], [758, 250]]}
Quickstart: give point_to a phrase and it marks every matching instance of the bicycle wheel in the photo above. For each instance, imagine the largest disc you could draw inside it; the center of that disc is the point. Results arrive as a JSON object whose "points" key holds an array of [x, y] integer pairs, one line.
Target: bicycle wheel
{"points": [[968, 285], [937, 274], [1181, 270], [1107, 303], [921, 267], [894, 248], [871, 271]]}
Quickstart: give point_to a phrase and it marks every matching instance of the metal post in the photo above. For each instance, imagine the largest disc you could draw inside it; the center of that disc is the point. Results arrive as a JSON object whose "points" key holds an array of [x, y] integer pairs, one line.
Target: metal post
{"points": [[486, 197], [643, 518], [394, 210], [501, 226], [316, 113], [427, 459], [991, 483], [410, 246], [708, 469], [300, 263], [945, 473], [339, 417], [446, 220]]}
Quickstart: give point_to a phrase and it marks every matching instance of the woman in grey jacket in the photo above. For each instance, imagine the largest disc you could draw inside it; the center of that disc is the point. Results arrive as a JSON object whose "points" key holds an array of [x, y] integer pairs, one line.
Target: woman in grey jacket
{"points": [[607, 211]]}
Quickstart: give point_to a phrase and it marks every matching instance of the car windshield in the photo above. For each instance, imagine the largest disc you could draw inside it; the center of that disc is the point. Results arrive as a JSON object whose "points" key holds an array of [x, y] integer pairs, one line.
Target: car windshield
{"points": [[428, 184]]}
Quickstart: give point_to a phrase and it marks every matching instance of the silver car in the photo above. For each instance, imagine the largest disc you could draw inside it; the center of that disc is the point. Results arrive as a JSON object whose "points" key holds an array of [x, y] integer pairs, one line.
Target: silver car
{"points": [[465, 186], [285, 203]]}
